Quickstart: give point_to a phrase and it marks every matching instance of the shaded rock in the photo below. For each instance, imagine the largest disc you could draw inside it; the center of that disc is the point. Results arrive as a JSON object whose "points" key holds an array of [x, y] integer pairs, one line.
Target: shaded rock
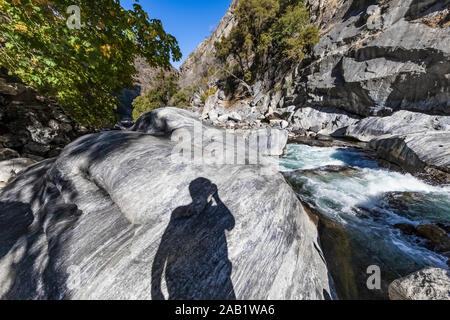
{"points": [[30, 124], [438, 237], [116, 216], [406, 228], [6, 154], [417, 152], [426, 284]]}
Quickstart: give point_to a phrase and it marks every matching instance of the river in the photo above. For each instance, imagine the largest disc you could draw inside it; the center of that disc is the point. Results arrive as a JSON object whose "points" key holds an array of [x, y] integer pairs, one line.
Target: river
{"points": [[360, 203]]}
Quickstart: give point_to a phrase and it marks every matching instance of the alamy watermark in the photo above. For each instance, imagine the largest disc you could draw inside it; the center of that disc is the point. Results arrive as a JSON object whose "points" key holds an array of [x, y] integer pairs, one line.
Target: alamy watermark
{"points": [[74, 20], [200, 145], [374, 280]]}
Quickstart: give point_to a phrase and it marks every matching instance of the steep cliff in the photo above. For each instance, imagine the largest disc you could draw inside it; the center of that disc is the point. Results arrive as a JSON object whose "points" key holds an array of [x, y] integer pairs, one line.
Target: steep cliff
{"points": [[196, 65]]}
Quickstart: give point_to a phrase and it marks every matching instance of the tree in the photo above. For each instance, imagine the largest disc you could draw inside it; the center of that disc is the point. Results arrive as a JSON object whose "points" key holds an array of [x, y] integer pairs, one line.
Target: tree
{"points": [[86, 68], [164, 87], [248, 38], [278, 27], [292, 32]]}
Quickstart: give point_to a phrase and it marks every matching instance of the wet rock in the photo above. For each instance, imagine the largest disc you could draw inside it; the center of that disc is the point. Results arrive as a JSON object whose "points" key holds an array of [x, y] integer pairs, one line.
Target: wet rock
{"points": [[406, 228], [426, 284], [437, 236]]}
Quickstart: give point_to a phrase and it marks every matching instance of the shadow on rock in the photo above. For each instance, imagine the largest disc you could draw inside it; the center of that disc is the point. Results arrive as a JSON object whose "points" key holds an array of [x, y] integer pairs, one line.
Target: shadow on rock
{"points": [[193, 251]]}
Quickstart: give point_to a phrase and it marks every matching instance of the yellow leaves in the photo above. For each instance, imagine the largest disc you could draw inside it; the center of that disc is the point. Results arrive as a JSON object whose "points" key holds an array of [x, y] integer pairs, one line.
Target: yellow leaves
{"points": [[101, 25], [21, 27], [106, 50], [15, 2]]}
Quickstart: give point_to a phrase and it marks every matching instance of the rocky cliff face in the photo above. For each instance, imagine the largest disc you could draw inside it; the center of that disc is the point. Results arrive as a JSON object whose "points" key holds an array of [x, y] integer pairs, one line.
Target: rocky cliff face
{"points": [[196, 65], [389, 56], [31, 126], [375, 58]]}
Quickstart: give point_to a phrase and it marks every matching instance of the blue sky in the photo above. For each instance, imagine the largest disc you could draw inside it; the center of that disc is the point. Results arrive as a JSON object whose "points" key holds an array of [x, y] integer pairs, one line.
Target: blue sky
{"points": [[190, 21]]}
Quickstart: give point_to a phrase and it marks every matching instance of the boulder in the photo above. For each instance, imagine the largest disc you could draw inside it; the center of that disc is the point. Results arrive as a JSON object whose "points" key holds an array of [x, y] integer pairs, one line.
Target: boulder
{"points": [[268, 142], [328, 121], [119, 215], [223, 118], [426, 284], [416, 153], [436, 235], [401, 122], [31, 124], [235, 116], [213, 115]]}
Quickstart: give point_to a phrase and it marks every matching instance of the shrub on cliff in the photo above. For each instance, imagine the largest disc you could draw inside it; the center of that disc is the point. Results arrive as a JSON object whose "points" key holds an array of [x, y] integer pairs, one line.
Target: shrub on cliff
{"points": [[83, 68], [164, 87], [278, 27]]}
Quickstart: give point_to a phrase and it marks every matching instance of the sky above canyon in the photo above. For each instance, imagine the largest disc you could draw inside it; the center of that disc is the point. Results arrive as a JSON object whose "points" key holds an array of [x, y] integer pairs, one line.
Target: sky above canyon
{"points": [[190, 21]]}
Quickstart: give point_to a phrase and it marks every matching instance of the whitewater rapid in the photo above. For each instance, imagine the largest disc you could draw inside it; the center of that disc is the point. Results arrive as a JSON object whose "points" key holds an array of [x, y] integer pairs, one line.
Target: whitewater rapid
{"points": [[347, 186]]}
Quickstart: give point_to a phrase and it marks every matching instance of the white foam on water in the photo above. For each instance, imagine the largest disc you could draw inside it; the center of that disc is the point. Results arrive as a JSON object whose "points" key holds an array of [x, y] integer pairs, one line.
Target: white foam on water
{"points": [[341, 195]]}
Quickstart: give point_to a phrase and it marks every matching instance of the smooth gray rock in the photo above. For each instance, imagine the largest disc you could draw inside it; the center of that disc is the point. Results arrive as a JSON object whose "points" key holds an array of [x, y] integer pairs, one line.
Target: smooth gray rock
{"points": [[417, 152], [176, 121], [426, 284], [117, 216], [271, 142], [401, 122], [328, 121], [372, 62]]}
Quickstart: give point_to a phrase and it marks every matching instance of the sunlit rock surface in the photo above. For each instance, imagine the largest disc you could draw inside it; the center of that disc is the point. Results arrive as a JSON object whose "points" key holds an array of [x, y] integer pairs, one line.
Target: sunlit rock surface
{"points": [[426, 284], [116, 217]]}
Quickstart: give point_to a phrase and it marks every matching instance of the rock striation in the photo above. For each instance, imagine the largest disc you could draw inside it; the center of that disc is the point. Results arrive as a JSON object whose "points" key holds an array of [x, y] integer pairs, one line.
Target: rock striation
{"points": [[117, 216]]}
